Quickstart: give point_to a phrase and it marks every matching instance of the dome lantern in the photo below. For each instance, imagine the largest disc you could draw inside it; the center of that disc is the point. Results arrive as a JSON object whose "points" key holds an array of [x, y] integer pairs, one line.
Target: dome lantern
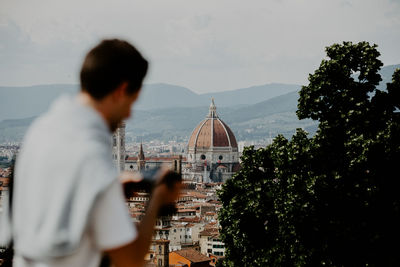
{"points": [[212, 113]]}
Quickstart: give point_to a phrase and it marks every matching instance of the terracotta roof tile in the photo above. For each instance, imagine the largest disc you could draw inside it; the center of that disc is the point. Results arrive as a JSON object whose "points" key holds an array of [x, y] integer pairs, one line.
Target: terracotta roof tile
{"points": [[192, 255], [212, 132], [209, 232], [186, 210]]}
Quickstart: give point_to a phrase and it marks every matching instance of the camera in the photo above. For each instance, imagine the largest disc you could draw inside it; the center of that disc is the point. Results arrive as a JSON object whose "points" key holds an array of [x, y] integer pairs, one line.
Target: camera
{"points": [[146, 182]]}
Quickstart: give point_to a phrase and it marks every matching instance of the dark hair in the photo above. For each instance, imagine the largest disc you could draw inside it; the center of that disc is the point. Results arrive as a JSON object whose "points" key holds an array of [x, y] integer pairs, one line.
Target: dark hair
{"points": [[109, 64]]}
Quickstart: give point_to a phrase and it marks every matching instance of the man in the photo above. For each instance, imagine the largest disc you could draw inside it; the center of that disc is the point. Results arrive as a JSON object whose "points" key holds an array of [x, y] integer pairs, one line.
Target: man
{"points": [[68, 206]]}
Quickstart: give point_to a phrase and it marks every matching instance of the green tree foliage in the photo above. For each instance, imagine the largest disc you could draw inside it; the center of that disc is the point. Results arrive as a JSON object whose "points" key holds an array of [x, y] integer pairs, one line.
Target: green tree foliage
{"points": [[329, 200]]}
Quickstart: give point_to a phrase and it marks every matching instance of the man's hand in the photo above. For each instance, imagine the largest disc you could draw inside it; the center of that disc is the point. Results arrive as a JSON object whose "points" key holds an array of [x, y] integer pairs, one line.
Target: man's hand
{"points": [[129, 176], [163, 194], [167, 194], [166, 189], [134, 182]]}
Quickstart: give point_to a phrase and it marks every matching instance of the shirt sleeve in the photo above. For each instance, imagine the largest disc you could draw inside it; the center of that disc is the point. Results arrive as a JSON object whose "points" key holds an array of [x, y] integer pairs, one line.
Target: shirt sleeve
{"points": [[110, 224]]}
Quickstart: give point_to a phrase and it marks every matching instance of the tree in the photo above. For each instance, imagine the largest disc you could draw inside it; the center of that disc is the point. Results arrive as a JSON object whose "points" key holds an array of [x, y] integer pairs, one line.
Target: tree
{"points": [[331, 199]]}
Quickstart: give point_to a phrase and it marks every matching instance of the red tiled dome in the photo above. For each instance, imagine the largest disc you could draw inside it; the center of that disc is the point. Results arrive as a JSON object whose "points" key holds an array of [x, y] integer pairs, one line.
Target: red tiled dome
{"points": [[212, 132]]}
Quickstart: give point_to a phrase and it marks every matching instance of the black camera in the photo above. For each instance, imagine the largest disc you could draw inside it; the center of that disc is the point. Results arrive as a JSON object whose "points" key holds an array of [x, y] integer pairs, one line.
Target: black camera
{"points": [[147, 182]]}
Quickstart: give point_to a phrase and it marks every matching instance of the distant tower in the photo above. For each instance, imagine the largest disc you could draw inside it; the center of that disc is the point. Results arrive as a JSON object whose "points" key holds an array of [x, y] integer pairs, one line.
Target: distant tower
{"points": [[178, 165], [162, 253], [141, 163], [118, 147]]}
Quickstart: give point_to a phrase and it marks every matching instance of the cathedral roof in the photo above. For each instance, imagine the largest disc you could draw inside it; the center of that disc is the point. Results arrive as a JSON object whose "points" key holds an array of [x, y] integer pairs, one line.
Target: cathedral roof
{"points": [[212, 132]]}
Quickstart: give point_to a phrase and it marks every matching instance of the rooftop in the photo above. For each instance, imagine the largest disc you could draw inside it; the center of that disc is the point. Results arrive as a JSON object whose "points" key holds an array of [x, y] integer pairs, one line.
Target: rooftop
{"points": [[192, 255]]}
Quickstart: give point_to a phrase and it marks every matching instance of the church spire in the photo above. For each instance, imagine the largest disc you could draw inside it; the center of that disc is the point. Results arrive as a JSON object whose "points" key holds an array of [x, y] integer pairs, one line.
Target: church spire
{"points": [[212, 113], [141, 163], [141, 154]]}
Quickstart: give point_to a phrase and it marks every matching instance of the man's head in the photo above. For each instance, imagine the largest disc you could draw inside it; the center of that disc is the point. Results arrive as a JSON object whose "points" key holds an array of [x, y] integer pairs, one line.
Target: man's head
{"points": [[109, 64], [113, 72]]}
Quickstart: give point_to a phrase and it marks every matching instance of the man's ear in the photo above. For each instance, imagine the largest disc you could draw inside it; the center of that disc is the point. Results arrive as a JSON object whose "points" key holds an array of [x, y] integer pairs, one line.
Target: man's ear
{"points": [[120, 91]]}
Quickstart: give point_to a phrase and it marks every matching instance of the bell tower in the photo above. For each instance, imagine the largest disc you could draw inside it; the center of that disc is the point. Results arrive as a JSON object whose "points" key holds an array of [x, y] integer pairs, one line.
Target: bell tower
{"points": [[162, 253], [118, 147]]}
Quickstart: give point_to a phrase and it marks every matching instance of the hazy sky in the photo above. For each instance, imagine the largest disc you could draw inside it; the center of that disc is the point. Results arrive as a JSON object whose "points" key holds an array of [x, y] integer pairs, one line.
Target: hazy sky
{"points": [[205, 45]]}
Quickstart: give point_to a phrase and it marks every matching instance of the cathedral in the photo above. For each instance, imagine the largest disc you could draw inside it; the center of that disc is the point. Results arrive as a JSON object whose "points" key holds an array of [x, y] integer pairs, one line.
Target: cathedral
{"points": [[212, 152]]}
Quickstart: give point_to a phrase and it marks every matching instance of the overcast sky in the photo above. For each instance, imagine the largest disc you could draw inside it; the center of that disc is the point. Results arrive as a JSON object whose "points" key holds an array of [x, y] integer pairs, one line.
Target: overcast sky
{"points": [[205, 45]]}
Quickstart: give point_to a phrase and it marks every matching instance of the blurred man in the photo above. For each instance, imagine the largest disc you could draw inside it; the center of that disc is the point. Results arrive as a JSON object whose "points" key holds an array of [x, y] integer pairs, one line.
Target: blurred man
{"points": [[68, 205]]}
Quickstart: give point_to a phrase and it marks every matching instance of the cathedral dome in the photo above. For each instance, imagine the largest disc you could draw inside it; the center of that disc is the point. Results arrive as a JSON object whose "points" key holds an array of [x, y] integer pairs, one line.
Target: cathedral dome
{"points": [[212, 132]]}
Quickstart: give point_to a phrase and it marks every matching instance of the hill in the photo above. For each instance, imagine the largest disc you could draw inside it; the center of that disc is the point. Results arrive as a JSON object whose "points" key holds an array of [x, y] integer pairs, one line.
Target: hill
{"points": [[250, 121], [161, 95], [23, 102], [251, 95], [259, 121]]}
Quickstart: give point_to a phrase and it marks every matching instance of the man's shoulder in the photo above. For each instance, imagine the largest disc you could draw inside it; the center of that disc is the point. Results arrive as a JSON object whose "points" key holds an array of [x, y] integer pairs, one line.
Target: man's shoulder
{"points": [[67, 119]]}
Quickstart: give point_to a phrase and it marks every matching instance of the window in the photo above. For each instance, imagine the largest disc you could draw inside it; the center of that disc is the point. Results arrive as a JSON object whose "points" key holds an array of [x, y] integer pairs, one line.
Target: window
{"points": [[209, 250], [114, 141]]}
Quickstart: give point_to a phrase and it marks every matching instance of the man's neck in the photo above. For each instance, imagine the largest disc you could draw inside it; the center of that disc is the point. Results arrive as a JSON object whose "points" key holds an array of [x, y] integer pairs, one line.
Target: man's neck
{"points": [[99, 106]]}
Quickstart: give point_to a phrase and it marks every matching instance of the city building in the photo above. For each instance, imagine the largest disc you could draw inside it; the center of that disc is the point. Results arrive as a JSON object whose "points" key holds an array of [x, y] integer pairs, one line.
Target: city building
{"points": [[145, 163], [212, 151], [210, 242], [4, 183]]}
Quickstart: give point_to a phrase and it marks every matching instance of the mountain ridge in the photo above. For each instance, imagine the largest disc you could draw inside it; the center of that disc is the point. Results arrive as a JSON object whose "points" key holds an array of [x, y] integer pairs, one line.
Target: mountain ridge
{"points": [[263, 119], [23, 102]]}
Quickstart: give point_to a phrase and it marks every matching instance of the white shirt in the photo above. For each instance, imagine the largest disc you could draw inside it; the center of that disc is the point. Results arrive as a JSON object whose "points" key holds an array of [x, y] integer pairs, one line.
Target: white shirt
{"points": [[68, 204], [109, 227]]}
